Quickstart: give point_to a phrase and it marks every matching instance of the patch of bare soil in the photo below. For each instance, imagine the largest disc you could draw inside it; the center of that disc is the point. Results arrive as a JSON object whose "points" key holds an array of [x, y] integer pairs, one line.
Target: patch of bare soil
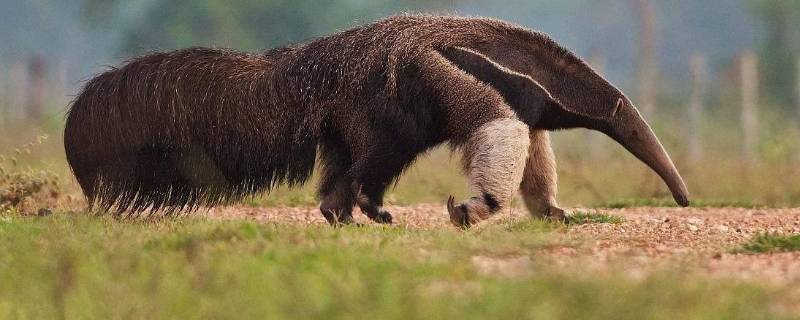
{"points": [[691, 239], [698, 239], [418, 216]]}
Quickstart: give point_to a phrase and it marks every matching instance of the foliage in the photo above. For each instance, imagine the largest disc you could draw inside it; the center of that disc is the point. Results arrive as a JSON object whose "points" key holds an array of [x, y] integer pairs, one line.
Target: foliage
{"points": [[23, 189], [780, 49], [71, 265], [765, 243], [243, 24]]}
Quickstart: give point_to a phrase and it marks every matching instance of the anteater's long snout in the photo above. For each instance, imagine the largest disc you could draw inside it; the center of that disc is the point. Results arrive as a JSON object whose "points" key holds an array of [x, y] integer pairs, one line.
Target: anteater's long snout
{"points": [[632, 132]]}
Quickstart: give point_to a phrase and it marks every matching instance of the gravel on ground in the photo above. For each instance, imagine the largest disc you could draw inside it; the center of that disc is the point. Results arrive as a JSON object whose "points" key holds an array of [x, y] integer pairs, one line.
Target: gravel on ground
{"points": [[695, 240]]}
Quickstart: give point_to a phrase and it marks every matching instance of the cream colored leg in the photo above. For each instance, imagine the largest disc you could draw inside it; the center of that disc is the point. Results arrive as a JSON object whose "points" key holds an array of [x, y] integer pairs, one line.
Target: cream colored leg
{"points": [[494, 159]]}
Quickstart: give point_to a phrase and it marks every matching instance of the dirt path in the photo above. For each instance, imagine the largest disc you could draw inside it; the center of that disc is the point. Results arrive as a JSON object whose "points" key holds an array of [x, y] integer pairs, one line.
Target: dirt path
{"points": [[693, 239]]}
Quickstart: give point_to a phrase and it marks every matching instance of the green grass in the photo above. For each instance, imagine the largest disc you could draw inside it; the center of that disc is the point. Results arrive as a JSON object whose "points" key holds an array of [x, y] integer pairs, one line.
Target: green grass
{"points": [[78, 266], [586, 217], [669, 203], [765, 243]]}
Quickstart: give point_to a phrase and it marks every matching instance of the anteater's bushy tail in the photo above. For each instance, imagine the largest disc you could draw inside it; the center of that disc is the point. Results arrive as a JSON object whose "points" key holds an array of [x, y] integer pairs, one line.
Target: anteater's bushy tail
{"points": [[173, 131]]}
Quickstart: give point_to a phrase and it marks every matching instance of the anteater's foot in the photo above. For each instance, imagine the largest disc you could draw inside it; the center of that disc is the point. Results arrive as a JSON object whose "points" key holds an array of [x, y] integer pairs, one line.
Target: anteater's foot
{"points": [[555, 214], [381, 216], [337, 217], [374, 212], [468, 213], [459, 215]]}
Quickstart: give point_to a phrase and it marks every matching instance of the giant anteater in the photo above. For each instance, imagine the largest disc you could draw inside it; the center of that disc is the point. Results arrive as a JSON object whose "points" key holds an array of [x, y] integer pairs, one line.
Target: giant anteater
{"points": [[176, 130]]}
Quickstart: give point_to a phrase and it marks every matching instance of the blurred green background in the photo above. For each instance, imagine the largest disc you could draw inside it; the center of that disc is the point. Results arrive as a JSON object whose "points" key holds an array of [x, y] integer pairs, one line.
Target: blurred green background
{"points": [[718, 79]]}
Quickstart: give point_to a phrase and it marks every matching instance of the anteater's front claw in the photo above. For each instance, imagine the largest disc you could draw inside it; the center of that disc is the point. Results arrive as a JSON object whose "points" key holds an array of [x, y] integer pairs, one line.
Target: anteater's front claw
{"points": [[556, 214], [458, 214]]}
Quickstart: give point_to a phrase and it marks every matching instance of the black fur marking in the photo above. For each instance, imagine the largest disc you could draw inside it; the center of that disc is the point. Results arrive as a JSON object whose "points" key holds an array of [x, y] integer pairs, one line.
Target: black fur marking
{"points": [[465, 216], [491, 202]]}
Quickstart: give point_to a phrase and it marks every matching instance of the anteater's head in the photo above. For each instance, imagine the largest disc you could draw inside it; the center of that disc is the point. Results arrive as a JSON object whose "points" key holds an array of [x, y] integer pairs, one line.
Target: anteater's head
{"points": [[549, 88]]}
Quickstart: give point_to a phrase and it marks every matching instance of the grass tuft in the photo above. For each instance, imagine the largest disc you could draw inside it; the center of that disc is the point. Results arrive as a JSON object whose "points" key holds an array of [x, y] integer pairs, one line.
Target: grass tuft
{"points": [[24, 189], [531, 225], [766, 243], [580, 217]]}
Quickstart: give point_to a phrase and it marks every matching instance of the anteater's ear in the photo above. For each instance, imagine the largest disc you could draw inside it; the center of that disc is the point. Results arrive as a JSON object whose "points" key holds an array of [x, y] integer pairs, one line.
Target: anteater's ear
{"points": [[510, 83]]}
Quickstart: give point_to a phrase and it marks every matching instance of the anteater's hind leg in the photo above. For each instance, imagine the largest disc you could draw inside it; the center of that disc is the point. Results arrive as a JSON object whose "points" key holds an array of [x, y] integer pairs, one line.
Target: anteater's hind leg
{"points": [[340, 192], [338, 199], [494, 158], [375, 171], [370, 198], [539, 182], [371, 204], [336, 188]]}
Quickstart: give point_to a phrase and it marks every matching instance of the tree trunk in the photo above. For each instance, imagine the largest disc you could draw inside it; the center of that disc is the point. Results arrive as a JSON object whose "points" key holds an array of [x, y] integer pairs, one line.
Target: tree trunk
{"points": [[58, 84], [37, 89]]}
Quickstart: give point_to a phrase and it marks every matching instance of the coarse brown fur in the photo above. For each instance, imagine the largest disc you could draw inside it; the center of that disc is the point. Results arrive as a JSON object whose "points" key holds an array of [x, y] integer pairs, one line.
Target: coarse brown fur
{"points": [[540, 180], [171, 131]]}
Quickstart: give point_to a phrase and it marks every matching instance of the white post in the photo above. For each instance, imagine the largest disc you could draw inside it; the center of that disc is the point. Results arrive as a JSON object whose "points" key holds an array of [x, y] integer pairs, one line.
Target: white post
{"points": [[35, 108], [58, 89], [699, 73], [647, 61], [797, 85], [3, 96], [749, 95], [797, 96]]}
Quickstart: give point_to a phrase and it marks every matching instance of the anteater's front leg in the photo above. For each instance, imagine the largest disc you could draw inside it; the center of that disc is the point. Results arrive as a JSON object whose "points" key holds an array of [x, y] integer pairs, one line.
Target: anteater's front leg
{"points": [[539, 181], [494, 158]]}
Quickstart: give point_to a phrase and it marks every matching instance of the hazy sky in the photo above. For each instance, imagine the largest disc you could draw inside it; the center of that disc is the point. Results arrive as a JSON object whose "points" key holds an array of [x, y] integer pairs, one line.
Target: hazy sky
{"points": [[720, 28]]}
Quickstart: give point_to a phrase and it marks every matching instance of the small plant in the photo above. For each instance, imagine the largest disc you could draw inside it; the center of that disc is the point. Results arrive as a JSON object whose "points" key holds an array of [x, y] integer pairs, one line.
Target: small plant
{"points": [[765, 243], [531, 225], [23, 189], [639, 202], [580, 217]]}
